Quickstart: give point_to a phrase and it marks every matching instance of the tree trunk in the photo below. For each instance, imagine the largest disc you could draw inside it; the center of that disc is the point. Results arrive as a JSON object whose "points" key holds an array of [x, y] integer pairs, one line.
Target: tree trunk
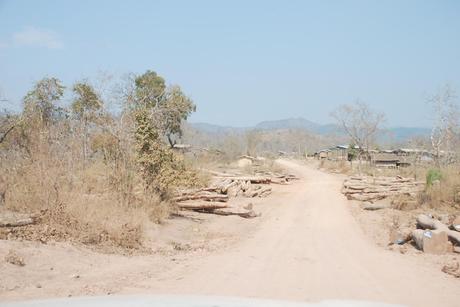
{"points": [[427, 222]]}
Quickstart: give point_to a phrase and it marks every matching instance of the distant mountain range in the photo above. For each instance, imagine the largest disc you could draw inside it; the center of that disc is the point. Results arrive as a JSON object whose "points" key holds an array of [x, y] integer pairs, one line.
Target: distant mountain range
{"points": [[397, 134]]}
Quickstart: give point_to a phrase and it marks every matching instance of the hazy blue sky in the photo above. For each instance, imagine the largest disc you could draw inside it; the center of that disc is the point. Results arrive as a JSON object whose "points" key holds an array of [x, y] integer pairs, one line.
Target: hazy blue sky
{"points": [[245, 61]]}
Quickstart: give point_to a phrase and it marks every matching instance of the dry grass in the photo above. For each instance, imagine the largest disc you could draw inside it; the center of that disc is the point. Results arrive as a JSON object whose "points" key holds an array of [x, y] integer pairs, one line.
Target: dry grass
{"points": [[446, 191], [97, 201], [342, 167]]}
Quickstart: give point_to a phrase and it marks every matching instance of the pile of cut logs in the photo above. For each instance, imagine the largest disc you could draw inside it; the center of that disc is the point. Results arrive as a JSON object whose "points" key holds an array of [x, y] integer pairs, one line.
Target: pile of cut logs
{"points": [[367, 188], [214, 199]]}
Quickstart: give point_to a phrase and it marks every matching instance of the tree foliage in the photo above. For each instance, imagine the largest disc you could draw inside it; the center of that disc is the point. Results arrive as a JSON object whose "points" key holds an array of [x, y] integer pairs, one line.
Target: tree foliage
{"points": [[42, 100], [86, 101], [158, 112], [85, 107], [175, 108], [167, 107], [149, 90]]}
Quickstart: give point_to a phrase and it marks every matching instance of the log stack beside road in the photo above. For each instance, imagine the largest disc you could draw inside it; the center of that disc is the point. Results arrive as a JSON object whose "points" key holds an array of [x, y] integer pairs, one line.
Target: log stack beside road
{"points": [[367, 188], [214, 199]]}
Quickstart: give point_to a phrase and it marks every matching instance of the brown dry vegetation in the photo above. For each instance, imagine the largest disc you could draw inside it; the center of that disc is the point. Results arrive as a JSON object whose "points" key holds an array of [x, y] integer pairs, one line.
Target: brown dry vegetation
{"points": [[82, 175]]}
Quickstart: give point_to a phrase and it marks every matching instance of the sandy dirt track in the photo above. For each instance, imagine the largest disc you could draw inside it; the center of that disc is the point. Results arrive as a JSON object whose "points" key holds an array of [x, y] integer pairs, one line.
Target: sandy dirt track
{"points": [[305, 247], [310, 248]]}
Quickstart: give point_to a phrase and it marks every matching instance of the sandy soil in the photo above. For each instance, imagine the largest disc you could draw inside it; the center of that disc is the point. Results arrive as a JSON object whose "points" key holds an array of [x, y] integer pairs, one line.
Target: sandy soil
{"points": [[306, 246]]}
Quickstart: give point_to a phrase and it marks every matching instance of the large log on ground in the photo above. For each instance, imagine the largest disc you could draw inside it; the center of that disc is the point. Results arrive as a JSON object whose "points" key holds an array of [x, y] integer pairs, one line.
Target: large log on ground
{"points": [[234, 191], [279, 181], [12, 219], [261, 192], [202, 196], [236, 211], [426, 222], [227, 186], [204, 205], [431, 241], [252, 179], [367, 197], [373, 207]]}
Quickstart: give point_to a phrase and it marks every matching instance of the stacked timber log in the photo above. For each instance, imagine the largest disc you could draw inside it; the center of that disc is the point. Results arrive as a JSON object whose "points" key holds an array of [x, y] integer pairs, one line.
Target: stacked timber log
{"points": [[214, 199], [367, 188]]}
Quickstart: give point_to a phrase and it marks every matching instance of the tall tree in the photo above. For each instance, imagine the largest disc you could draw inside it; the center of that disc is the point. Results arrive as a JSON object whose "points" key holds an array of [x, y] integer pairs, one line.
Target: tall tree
{"points": [[42, 100], [85, 107], [175, 108], [167, 107], [149, 90], [158, 112]]}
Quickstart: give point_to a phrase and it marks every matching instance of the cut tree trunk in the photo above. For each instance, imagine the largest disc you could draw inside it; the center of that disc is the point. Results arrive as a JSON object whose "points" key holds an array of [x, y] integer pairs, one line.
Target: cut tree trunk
{"points": [[431, 241], [426, 222]]}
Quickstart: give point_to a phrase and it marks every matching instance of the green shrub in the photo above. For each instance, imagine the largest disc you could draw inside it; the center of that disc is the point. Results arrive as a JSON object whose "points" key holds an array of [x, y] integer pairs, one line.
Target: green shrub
{"points": [[432, 175]]}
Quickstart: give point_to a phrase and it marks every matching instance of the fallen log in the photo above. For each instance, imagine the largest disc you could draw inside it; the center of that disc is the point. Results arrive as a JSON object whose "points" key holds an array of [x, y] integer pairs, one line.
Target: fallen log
{"points": [[279, 181], [258, 192], [202, 205], [245, 186], [251, 179], [225, 188], [373, 207], [235, 211], [195, 191], [202, 196], [431, 241], [426, 222], [367, 197], [11, 219]]}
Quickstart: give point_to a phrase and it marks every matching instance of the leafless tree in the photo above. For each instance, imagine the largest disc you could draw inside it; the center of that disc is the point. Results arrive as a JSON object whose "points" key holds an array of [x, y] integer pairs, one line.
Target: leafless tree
{"points": [[445, 125], [360, 123]]}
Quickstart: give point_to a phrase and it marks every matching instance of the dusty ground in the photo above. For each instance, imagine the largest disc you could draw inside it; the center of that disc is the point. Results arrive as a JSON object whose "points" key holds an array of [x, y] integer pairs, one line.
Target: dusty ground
{"points": [[306, 246]]}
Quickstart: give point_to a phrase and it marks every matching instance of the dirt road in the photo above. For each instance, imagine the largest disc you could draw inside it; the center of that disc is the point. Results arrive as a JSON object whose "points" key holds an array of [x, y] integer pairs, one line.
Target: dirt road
{"points": [[305, 247], [310, 248]]}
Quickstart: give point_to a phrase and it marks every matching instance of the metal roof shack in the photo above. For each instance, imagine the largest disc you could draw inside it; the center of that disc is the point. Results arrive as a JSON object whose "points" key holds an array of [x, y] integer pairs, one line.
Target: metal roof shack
{"points": [[383, 159]]}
